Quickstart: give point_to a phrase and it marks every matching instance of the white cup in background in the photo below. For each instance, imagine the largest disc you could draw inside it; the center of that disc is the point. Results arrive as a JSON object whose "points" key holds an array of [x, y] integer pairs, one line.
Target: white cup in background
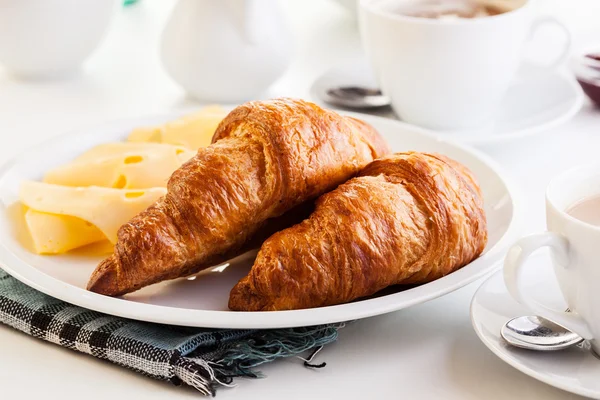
{"points": [[447, 74], [575, 251], [50, 38]]}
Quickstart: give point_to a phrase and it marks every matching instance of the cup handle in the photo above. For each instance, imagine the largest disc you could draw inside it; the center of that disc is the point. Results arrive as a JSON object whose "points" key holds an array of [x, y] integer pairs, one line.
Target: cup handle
{"points": [[513, 268], [565, 51]]}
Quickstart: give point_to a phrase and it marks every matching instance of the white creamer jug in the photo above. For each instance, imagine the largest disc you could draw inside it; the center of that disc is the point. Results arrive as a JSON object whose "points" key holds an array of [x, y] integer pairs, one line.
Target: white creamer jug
{"points": [[226, 51]]}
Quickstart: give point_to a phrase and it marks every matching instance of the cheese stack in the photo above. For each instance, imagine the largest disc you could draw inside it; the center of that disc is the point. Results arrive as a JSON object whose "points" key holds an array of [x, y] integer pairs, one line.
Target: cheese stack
{"points": [[88, 199]]}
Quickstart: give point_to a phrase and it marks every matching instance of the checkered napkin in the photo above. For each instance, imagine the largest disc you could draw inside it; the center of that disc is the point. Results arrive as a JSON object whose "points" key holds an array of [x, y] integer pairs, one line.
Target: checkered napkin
{"points": [[202, 358]]}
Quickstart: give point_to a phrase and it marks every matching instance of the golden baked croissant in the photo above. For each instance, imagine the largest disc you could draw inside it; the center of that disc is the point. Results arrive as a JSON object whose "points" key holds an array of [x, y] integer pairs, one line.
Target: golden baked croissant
{"points": [[408, 218], [267, 157]]}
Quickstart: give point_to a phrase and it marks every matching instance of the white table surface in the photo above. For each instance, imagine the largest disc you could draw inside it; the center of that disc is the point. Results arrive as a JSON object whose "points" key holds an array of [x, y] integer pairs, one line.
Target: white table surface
{"points": [[428, 351]]}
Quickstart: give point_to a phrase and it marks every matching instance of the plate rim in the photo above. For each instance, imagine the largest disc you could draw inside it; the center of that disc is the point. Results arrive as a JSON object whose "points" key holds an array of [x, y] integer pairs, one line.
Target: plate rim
{"points": [[54, 287], [514, 363]]}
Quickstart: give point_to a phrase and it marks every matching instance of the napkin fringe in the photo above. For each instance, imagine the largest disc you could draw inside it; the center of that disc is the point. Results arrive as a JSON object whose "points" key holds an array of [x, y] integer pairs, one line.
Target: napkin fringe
{"points": [[198, 374], [242, 358]]}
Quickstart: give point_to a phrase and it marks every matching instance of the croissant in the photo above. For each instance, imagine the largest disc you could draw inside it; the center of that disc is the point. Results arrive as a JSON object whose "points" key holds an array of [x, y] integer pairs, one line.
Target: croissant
{"points": [[267, 157], [408, 218]]}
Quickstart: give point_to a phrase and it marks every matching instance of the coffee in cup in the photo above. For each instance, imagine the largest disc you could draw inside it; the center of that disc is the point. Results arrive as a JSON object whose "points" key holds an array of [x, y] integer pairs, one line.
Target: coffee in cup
{"points": [[448, 9], [586, 210]]}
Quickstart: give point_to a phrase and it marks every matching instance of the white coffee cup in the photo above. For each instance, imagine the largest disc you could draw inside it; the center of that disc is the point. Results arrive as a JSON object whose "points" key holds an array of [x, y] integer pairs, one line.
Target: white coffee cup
{"points": [[575, 250], [50, 38], [448, 74]]}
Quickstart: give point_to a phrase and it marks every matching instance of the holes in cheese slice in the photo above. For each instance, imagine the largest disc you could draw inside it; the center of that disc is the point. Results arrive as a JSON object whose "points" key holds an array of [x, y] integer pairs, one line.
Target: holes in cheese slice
{"points": [[121, 182], [133, 159], [133, 195]]}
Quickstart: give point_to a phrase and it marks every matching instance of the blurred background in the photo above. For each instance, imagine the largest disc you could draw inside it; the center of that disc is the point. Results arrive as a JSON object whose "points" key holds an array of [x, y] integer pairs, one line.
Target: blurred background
{"points": [[126, 65]]}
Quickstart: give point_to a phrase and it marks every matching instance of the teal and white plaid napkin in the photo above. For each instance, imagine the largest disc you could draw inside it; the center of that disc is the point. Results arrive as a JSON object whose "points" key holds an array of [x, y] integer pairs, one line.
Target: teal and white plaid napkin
{"points": [[202, 358]]}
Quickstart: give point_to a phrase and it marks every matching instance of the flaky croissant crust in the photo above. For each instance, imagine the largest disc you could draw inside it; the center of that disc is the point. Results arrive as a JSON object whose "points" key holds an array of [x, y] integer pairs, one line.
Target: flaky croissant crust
{"points": [[267, 157], [408, 218]]}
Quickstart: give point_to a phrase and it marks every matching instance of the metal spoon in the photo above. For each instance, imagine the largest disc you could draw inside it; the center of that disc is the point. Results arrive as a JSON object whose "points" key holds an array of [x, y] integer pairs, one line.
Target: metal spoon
{"points": [[351, 85], [355, 97], [537, 333]]}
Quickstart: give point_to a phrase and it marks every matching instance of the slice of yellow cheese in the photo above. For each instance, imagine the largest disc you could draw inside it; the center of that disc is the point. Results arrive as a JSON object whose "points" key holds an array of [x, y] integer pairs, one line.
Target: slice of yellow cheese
{"points": [[106, 208], [193, 131], [54, 234], [146, 135], [122, 166]]}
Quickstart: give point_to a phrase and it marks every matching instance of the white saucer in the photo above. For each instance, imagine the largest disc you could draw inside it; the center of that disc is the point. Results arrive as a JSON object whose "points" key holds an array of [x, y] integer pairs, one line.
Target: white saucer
{"points": [[576, 369], [538, 100]]}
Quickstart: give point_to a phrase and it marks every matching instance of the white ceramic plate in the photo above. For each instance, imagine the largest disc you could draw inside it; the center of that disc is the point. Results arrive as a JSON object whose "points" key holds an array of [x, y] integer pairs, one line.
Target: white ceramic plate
{"points": [[537, 101], [575, 369], [203, 301]]}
